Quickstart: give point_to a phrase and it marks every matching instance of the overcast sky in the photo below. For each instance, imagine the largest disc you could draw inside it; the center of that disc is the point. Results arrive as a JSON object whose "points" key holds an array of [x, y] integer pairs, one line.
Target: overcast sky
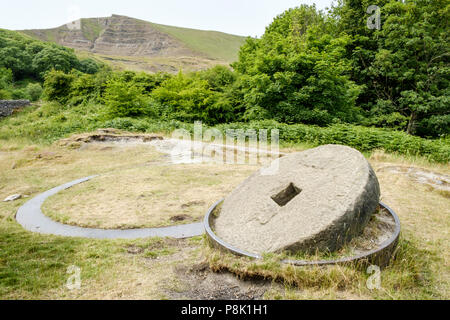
{"points": [[243, 17]]}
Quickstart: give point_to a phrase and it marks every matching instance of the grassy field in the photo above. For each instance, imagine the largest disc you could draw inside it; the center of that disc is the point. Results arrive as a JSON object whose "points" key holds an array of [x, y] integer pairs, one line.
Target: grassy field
{"points": [[216, 45], [155, 194], [36, 266], [46, 122]]}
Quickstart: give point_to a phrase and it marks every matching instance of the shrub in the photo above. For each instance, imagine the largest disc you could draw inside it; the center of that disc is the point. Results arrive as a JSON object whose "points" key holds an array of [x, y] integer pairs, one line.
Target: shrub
{"points": [[57, 86], [5, 78], [218, 77], [125, 99], [18, 94], [89, 66], [5, 94], [360, 138], [83, 89], [186, 98], [34, 91]]}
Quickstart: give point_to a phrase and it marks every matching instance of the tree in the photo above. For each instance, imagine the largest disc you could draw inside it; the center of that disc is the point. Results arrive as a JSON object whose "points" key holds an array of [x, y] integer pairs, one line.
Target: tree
{"points": [[54, 58], [297, 72], [219, 77], [89, 66], [57, 86], [13, 56], [415, 33], [404, 66], [34, 91]]}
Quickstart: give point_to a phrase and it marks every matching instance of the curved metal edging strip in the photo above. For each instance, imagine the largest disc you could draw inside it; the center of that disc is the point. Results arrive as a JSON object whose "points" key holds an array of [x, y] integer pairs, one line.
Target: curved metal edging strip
{"points": [[379, 256], [30, 216], [215, 240]]}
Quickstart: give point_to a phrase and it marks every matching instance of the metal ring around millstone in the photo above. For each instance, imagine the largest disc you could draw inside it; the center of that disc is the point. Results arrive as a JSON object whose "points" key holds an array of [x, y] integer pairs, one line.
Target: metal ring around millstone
{"points": [[380, 256]]}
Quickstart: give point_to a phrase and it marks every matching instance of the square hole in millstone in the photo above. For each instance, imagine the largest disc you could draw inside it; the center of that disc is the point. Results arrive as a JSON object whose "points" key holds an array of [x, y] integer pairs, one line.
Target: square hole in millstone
{"points": [[286, 195]]}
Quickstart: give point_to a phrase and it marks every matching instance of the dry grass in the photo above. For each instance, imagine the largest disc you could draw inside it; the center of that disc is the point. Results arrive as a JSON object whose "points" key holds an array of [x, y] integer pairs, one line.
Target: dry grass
{"points": [[32, 169], [154, 195], [34, 266], [424, 213]]}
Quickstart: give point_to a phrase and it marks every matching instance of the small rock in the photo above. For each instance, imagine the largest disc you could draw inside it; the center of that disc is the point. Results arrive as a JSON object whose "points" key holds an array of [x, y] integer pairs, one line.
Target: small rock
{"points": [[14, 197]]}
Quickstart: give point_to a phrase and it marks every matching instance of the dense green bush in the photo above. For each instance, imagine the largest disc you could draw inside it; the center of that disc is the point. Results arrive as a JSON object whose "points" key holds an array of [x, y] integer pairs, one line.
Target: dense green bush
{"points": [[6, 78], [54, 58], [34, 91], [190, 98], [358, 137], [5, 94], [19, 93], [123, 99], [89, 66], [219, 77], [83, 89], [57, 86], [5, 83]]}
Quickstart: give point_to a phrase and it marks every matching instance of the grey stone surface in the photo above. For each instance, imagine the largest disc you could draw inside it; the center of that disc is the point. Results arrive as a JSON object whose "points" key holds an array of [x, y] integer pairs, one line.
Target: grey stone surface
{"points": [[318, 199], [8, 106], [31, 218]]}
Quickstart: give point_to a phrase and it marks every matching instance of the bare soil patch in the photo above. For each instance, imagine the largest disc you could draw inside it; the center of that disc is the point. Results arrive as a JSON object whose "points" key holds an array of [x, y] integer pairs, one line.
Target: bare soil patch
{"points": [[200, 283]]}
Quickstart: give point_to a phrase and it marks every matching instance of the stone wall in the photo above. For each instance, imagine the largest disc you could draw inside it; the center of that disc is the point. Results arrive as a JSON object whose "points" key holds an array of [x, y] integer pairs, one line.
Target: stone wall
{"points": [[8, 106]]}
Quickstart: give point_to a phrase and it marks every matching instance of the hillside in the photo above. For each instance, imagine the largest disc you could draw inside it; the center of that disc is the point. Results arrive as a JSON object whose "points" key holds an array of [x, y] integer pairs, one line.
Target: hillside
{"points": [[130, 43]]}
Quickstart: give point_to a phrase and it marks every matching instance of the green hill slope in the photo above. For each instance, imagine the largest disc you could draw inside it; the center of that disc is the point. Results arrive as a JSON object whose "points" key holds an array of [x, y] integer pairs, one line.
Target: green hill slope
{"points": [[215, 44], [136, 44]]}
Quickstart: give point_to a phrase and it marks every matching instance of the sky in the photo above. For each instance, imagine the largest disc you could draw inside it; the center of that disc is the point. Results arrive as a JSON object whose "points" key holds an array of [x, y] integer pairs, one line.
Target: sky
{"points": [[241, 17]]}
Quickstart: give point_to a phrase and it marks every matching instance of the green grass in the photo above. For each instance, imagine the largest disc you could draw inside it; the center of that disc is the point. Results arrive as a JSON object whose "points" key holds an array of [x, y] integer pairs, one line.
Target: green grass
{"points": [[91, 28], [34, 266], [49, 122], [409, 276], [31, 264], [217, 45]]}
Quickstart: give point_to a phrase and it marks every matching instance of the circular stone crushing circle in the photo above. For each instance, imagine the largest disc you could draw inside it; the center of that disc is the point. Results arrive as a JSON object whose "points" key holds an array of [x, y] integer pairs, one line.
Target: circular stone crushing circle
{"points": [[30, 216], [379, 256]]}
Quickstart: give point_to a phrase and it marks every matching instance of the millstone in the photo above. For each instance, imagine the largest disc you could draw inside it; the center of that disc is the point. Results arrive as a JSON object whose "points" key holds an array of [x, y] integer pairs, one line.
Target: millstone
{"points": [[318, 199]]}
